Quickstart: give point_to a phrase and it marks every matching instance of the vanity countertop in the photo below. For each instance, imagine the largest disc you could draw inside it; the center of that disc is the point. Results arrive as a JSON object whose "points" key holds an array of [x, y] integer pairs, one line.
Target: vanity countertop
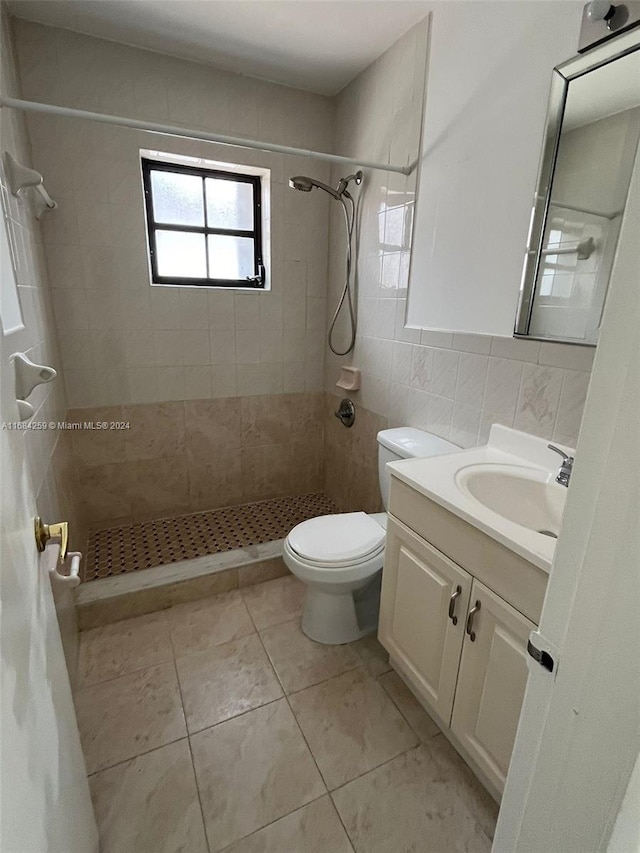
{"points": [[509, 450]]}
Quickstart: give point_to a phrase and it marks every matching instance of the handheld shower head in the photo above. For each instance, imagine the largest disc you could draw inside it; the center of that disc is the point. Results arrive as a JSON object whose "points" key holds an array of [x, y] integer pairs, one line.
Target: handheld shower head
{"points": [[305, 185], [301, 183]]}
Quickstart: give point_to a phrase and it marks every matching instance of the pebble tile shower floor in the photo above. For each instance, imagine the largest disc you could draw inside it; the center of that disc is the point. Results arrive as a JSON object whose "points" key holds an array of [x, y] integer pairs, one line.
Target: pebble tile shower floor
{"points": [[219, 726], [170, 540]]}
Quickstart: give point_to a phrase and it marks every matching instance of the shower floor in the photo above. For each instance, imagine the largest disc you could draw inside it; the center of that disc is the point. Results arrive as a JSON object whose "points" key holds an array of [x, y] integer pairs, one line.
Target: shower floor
{"points": [[133, 547]]}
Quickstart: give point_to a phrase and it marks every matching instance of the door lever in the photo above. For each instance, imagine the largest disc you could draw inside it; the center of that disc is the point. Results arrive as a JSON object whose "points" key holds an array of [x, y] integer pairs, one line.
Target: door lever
{"points": [[44, 532]]}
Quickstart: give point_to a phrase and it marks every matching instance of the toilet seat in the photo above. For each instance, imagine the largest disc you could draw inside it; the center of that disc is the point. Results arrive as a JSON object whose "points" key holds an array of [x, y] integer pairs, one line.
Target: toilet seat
{"points": [[337, 541]]}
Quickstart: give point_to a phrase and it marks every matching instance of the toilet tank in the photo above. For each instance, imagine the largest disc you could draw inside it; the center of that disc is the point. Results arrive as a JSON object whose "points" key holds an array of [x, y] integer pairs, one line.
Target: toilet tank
{"points": [[406, 443]]}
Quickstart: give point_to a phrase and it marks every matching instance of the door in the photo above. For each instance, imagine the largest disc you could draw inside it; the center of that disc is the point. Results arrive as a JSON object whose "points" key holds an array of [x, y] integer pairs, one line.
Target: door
{"points": [[422, 615], [491, 682], [45, 805]]}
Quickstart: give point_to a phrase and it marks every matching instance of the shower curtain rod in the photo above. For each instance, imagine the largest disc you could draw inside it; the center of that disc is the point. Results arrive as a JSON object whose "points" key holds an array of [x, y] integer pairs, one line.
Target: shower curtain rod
{"points": [[206, 136]]}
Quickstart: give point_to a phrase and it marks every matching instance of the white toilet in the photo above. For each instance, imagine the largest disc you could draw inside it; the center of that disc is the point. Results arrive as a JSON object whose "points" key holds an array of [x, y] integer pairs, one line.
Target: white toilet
{"points": [[340, 557]]}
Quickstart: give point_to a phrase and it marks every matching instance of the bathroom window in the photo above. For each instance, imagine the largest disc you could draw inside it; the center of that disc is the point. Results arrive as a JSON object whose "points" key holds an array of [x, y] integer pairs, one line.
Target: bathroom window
{"points": [[204, 225]]}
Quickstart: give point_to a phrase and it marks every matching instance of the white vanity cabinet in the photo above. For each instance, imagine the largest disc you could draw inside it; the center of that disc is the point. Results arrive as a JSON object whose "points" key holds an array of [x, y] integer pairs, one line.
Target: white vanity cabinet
{"points": [[491, 683], [421, 587], [450, 630]]}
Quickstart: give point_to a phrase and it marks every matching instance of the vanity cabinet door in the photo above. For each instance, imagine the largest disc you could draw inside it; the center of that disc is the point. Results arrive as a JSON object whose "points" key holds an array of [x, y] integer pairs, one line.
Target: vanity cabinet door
{"points": [[491, 683], [418, 583]]}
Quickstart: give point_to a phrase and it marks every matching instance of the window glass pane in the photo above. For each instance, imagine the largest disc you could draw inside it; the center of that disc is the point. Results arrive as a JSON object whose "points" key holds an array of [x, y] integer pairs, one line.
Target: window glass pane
{"points": [[229, 204], [181, 254], [230, 257], [177, 199]]}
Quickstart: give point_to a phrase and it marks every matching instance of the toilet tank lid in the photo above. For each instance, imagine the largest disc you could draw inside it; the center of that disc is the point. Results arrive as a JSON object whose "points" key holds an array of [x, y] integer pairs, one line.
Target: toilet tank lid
{"points": [[409, 442]]}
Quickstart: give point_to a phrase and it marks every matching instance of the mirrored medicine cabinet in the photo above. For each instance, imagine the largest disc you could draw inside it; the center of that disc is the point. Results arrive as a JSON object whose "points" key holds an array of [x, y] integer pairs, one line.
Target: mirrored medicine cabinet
{"points": [[486, 261], [588, 156]]}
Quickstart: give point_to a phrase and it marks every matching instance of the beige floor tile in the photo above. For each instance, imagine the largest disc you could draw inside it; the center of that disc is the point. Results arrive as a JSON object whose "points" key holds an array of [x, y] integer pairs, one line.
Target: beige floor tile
{"points": [[299, 661], [406, 806], [201, 625], [127, 716], [150, 804], [476, 797], [374, 655], [409, 707], [123, 647], [252, 770], [351, 726], [315, 828], [275, 601], [225, 681]]}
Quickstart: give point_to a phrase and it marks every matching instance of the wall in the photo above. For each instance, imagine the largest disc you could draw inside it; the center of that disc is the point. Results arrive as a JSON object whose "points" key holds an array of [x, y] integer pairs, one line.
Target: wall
{"points": [[170, 360], [50, 466], [454, 385], [45, 796]]}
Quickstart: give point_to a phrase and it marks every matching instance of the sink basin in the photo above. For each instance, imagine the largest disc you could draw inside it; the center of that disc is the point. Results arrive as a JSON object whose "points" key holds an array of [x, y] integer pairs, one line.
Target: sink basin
{"points": [[526, 496]]}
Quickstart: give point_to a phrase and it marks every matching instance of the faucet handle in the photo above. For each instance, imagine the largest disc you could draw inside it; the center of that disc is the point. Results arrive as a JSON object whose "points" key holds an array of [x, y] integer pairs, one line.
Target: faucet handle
{"points": [[565, 457]]}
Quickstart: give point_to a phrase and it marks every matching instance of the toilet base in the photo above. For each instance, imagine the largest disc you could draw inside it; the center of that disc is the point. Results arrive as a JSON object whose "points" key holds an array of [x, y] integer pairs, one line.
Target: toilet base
{"points": [[335, 618]]}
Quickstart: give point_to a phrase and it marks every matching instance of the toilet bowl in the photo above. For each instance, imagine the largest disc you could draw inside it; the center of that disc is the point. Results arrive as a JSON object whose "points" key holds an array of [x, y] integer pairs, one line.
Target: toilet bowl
{"points": [[340, 557]]}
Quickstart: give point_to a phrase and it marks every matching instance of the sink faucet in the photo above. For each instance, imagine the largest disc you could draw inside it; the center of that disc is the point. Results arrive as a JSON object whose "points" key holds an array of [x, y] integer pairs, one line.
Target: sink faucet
{"points": [[564, 474]]}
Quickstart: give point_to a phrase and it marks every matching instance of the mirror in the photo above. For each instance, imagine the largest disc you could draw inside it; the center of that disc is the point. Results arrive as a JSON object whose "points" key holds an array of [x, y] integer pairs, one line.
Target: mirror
{"points": [[593, 128]]}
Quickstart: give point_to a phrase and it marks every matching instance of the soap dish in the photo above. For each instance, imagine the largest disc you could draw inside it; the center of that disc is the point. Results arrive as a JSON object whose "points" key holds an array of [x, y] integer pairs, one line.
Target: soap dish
{"points": [[349, 379]]}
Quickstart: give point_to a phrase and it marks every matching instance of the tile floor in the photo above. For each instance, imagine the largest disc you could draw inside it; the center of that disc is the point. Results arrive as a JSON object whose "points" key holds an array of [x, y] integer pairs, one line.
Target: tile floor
{"points": [[149, 544], [218, 726]]}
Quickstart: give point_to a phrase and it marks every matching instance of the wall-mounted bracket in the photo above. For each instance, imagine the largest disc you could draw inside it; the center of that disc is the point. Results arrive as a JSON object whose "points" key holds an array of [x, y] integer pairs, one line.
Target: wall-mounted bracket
{"points": [[21, 177]]}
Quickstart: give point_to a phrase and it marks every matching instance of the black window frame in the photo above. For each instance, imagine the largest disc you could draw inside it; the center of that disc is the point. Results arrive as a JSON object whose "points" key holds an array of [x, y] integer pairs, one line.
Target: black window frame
{"points": [[258, 280]]}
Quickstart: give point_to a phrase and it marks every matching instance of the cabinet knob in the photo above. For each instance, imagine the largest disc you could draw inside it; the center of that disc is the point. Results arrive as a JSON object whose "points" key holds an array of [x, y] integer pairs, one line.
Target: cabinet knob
{"points": [[472, 613], [452, 604]]}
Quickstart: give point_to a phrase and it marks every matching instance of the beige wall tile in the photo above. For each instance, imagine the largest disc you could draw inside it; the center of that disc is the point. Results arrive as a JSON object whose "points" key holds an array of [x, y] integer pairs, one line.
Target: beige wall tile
{"points": [[156, 430], [85, 162], [259, 572]]}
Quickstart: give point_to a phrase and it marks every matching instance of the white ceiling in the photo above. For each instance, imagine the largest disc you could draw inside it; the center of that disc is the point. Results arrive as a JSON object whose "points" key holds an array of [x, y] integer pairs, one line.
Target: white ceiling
{"points": [[310, 44]]}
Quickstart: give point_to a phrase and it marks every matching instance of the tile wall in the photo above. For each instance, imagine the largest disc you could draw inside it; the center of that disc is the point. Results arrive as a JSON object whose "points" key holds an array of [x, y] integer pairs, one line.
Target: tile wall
{"points": [[49, 466], [204, 377], [121, 341], [181, 457], [453, 385]]}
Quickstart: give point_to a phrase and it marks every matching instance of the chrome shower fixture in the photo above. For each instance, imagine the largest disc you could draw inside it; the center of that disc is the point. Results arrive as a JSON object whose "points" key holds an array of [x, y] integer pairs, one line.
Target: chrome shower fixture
{"points": [[304, 184]]}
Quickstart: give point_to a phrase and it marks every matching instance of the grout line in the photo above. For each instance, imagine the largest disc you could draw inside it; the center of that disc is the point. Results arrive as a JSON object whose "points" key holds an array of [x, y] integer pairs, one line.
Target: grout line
{"points": [[193, 765], [80, 687], [137, 755], [235, 717]]}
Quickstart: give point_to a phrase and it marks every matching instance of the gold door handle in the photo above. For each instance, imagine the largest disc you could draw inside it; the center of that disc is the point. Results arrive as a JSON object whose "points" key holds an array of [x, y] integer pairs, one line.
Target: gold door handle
{"points": [[45, 532]]}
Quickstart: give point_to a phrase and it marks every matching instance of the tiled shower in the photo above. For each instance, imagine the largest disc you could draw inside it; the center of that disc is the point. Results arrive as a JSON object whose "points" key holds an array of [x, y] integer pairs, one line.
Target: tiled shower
{"points": [[229, 397]]}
